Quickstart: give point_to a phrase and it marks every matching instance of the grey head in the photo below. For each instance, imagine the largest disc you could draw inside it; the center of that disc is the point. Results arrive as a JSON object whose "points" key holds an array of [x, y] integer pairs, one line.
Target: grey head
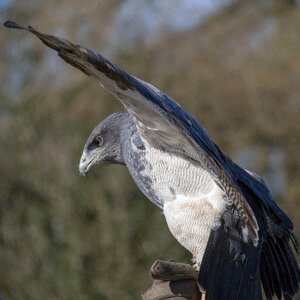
{"points": [[103, 146]]}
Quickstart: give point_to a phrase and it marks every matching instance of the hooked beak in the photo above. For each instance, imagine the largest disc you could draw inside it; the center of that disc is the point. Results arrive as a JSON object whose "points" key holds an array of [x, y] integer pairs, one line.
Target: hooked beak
{"points": [[86, 163]]}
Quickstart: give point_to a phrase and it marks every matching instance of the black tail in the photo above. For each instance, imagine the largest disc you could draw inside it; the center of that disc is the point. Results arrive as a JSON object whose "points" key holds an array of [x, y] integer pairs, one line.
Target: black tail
{"points": [[230, 268], [233, 268], [280, 274], [279, 269]]}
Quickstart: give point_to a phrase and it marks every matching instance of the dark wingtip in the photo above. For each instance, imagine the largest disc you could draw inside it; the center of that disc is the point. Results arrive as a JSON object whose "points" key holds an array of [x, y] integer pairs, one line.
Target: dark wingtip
{"points": [[12, 24]]}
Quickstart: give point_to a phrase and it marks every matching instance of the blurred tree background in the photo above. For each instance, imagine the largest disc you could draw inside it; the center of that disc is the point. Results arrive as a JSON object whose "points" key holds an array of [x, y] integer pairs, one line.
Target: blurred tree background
{"points": [[235, 65]]}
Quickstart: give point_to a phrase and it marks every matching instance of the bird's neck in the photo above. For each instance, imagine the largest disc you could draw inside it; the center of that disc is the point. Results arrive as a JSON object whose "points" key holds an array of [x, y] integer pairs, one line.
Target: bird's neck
{"points": [[127, 132]]}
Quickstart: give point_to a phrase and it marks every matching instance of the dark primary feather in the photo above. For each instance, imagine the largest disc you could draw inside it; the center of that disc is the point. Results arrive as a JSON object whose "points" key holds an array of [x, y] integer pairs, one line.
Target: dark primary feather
{"points": [[232, 269], [75, 54], [230, 266], [156, 108]]}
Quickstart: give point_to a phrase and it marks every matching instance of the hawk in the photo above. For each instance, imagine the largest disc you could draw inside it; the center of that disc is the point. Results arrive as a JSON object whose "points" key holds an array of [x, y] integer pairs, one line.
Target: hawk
{"points": [[223, 214]]}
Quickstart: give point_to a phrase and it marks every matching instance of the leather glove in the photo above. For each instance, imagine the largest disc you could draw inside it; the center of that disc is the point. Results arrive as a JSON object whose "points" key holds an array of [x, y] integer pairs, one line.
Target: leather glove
{"points": [[174, 281]]}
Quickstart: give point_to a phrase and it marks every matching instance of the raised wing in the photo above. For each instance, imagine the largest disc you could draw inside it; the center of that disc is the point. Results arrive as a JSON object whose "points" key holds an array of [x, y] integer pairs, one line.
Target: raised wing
{"points": [[164, 124]]}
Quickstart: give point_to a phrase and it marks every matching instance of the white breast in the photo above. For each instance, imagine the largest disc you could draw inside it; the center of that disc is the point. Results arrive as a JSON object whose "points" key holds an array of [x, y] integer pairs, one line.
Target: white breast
{"points": [[192, 201], [191, 219], [173, 175]]}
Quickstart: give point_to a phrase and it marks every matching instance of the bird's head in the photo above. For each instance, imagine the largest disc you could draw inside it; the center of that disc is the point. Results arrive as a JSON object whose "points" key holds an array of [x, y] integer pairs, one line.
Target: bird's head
{"points": [[103, 146]]}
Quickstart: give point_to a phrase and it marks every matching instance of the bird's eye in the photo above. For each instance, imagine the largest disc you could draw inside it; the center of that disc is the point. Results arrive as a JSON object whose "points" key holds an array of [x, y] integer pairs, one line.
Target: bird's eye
{"points": [[98, 141]]}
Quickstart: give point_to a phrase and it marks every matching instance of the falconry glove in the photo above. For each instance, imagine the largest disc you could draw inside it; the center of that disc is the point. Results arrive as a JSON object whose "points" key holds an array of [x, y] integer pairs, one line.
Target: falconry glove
{"points": [[173, 280]]}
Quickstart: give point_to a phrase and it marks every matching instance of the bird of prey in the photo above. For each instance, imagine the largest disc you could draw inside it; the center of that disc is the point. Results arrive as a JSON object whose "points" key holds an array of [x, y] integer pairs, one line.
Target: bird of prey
{"points": [[223, 214]]}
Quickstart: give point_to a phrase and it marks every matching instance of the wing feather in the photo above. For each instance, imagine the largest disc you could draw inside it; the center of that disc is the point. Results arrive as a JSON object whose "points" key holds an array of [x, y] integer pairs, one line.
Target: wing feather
{"points": [[166, 125]]}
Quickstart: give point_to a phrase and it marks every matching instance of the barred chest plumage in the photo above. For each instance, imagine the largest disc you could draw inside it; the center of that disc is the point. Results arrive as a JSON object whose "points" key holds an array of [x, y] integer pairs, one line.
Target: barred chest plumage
{"points": [[191, 201]]}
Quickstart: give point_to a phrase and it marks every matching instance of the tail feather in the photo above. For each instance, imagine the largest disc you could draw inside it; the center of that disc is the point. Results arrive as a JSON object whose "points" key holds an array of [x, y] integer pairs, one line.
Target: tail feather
{"points": [[270, 274], [230, 268], [279, 268], [295, 242], [267, 272], [291, 265]]}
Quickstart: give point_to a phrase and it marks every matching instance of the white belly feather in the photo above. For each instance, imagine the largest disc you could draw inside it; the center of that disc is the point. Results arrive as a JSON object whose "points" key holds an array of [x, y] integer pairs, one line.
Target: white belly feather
{"points": [[193, 203]]}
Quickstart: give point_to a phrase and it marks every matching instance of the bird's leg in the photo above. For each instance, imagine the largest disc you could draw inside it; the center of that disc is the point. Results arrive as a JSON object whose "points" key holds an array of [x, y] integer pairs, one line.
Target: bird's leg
{"points": [[196, 266], [196, 263]]}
